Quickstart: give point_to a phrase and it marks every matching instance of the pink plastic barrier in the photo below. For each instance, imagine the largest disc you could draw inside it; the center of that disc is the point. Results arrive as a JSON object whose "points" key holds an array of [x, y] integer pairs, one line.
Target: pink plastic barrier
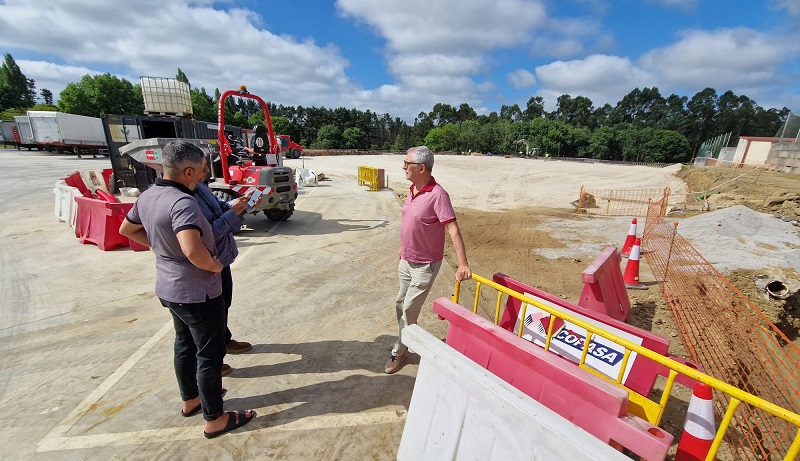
{"points": [[603, 287], [75, 180], [642, 372], [587, 401], [98, 222]]}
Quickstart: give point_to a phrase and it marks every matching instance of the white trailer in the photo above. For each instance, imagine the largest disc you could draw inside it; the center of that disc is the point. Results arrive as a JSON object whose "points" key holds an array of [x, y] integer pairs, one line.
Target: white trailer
{"points": [[67, 132], [25, 132], [7, 132]]}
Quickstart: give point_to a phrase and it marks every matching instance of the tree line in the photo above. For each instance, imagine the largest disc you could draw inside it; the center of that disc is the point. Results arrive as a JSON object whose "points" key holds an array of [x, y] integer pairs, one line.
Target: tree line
{"points": [[643, 126]]}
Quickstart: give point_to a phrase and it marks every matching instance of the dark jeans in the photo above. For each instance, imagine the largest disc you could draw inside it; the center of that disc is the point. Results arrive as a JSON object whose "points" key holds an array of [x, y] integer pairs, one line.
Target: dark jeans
{"points": [[199, 349], [227, 296]]}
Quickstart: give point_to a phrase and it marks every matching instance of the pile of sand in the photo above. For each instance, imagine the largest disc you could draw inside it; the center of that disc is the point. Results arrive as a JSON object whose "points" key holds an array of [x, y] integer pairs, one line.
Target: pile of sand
{"points": [[740, 238]]}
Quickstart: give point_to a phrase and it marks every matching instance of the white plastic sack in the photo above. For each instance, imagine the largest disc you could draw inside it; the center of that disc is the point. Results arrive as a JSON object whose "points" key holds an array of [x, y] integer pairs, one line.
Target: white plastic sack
{"points": [[305, 177]]}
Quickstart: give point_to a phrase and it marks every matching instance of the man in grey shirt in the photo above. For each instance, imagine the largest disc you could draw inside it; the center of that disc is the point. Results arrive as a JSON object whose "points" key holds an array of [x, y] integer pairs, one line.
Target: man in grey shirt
{"points": [[167, 219]]}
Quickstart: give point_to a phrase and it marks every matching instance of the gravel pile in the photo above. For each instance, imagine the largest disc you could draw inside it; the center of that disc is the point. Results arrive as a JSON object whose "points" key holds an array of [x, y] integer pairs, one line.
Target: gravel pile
{"points": [[740, 238]]}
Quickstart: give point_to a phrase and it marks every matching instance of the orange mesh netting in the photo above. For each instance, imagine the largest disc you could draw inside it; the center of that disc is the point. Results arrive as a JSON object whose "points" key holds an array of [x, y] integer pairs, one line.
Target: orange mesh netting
{"points": [[729, 336], [616, 202]]}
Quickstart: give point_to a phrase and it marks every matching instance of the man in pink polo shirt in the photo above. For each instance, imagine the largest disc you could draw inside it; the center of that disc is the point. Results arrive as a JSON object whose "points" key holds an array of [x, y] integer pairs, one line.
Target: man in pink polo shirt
{"points": [[427, 214]]}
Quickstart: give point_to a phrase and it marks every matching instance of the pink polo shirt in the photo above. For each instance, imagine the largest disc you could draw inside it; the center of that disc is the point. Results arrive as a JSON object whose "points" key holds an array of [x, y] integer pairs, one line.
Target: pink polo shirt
{"points": [[422, 226]]}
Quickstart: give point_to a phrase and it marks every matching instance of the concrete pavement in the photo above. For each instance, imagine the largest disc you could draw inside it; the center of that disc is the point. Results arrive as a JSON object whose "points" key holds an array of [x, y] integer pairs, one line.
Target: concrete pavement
{"points": [[85, 347]]}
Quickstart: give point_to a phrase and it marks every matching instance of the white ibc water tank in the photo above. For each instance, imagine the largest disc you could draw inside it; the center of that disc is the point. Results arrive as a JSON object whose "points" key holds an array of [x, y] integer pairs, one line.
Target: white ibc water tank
{"points": [[166, 96]]}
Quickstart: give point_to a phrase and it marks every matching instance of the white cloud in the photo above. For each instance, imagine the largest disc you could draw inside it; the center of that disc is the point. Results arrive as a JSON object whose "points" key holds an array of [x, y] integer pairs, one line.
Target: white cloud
{"points": [[435, 51], [423, 25], [435, 48], [724, 58], [53, 77], [215, 48], [522, 78], [791, 6], [601, 78]]}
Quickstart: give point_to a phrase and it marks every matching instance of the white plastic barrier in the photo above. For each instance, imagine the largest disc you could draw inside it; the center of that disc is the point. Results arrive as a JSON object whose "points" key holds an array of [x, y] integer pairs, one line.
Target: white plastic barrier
{"points": [[460, 411], [65, 207], [305, 177]]}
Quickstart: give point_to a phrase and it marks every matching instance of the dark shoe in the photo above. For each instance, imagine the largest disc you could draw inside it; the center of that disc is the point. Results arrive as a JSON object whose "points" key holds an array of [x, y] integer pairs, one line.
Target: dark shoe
{"points": [[226, 369], [395, 363], [238, 347], [235, 420], [199, 407]]}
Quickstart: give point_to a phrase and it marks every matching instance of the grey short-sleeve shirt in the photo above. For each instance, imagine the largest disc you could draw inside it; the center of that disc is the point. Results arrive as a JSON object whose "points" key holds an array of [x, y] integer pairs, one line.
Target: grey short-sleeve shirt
{"points": [[164, 210]]}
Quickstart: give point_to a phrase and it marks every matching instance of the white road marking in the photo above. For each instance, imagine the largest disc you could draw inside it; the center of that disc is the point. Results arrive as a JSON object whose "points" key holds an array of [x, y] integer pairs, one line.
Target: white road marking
{"points": [[194, 433]]}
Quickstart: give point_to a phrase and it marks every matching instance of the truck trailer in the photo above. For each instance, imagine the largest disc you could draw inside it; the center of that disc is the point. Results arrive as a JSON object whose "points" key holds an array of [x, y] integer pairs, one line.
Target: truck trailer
{"points": [[7, 132], [64, 132], [24, 135]]}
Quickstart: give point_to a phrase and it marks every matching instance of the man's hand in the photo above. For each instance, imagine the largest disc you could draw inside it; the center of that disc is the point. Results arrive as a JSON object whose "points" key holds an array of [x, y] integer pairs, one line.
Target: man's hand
{"points": [[239, 205], [463, 273], [134, 232], [219, 264], [192, 246]]}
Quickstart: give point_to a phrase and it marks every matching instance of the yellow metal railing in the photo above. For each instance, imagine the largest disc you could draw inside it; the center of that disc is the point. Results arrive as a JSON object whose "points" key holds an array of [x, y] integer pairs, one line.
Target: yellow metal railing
{"points": [[370, 176], [642, 406]]}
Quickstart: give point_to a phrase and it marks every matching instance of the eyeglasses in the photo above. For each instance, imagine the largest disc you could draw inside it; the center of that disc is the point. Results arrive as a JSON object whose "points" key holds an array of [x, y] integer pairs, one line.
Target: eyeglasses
{"points": [[406, 164]]}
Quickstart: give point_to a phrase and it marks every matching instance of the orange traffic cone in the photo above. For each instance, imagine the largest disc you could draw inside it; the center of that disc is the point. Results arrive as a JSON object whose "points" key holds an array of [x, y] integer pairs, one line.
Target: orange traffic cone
{"points": [[626, 247], [631, 276], [699, 428]]}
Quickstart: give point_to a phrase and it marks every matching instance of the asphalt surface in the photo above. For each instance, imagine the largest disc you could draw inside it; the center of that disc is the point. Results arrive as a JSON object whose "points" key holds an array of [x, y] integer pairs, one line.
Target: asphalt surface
{"points": [[86, 349]]}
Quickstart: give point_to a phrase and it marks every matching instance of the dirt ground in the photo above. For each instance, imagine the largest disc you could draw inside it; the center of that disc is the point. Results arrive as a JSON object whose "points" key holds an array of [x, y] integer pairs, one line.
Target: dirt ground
{"points": [[508, 241], [505, 241]]}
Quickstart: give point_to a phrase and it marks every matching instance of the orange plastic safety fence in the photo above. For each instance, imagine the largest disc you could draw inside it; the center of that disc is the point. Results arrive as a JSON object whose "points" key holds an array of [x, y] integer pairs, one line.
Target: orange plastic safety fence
{"points": [[733, 340], [616, 202]]}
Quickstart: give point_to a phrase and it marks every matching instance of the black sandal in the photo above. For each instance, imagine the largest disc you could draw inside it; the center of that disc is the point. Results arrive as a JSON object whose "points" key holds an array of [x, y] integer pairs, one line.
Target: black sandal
{"points": [[240, 420]]}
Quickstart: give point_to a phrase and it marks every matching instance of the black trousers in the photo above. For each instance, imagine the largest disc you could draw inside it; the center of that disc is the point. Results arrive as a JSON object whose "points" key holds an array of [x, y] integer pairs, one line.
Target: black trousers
{"points": [[199, 350], [227, 296]]}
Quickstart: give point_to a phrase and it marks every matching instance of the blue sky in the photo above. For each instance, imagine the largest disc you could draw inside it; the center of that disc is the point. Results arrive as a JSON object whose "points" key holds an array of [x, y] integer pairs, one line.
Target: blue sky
{"points": [[402, 57]]}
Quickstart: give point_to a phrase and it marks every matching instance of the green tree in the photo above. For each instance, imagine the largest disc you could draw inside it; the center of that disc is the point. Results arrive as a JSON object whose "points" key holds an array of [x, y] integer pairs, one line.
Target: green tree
{"points": [[181, 77], [511, 113], [702, 112], [667, 146], [203, 106], [573, 111], [95, 95], [353, 138], [238, 120], [16, 90], [534, 109], [282, 125], [632, 142], [47, 96], [604, 144], [399, 144], [435, 139], [465, 113], [469, 137], [328, 137]]}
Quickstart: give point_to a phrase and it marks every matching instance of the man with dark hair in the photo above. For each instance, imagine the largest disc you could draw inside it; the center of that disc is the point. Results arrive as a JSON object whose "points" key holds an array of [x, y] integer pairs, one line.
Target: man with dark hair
{"points": [[426, 215], [167, 219]]}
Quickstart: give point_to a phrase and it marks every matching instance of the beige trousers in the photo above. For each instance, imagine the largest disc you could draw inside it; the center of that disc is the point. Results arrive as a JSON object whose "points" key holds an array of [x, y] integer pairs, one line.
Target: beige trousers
{"points": [[415, 284]]}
